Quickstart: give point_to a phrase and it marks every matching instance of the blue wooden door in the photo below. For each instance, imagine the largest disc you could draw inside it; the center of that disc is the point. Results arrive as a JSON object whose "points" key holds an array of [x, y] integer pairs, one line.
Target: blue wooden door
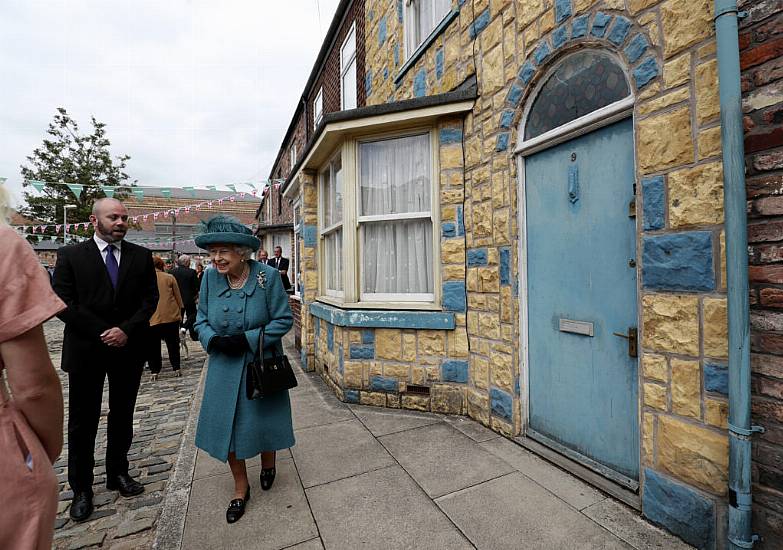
{"points": [[581, 250]]}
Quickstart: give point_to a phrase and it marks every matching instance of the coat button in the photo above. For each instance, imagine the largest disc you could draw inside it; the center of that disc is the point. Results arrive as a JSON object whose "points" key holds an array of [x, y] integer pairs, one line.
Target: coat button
{"points": [[239, 310], [225, 308], [228, 295], [239, 325], [241, 294], [225, 323]]}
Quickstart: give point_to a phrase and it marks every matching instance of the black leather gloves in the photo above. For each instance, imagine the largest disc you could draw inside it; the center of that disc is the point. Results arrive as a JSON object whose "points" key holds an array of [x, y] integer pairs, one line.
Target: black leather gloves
{"points": [[235, 344]]}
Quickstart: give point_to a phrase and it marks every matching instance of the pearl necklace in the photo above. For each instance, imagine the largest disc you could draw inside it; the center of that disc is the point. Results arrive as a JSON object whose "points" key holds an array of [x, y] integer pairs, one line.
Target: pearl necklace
{"points": [[241, 282]]}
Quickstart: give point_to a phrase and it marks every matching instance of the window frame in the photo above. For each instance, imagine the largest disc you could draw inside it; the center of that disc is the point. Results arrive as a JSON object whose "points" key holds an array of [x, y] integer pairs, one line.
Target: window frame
{"points": [[318, 113], [325, 231], [352, 239], [410, 12], [346, 65], [296, 252]]}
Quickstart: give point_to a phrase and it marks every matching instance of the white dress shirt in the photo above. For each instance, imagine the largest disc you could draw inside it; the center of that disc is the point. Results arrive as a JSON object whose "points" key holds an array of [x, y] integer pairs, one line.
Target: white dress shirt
{"points": [[102, 247]]}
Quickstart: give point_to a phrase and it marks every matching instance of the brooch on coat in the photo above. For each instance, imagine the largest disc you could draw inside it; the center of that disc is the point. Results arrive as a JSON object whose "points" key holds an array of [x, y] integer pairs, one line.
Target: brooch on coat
{"points": [[262, 280]]}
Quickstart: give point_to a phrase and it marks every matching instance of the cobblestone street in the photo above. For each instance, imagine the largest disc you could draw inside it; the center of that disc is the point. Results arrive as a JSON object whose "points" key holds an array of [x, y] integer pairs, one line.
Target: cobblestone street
{"points": [[162, 411]]}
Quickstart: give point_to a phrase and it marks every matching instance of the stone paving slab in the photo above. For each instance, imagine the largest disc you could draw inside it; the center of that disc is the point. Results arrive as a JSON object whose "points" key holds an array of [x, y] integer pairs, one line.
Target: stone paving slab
{"points": [[443, 460], [381, 509], [162, 411], [278, 518], [388, 421], [513, 512]]}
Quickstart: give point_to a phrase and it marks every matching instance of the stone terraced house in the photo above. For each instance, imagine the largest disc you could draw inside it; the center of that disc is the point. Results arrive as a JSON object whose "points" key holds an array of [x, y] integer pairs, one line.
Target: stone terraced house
{"points": [[514, 211]]}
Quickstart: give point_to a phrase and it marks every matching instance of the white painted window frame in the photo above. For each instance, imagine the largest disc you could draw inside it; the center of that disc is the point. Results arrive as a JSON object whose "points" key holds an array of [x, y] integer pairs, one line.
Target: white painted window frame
{"points": [[409, 18], [318, 108], [295, 258], [293, 154], [345, 65], [328, 230], [594, 120]]}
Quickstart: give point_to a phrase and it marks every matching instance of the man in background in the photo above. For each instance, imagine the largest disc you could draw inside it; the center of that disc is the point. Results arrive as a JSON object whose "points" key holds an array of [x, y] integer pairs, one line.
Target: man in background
{"points": [[281, 264], [110, 290], [188, 283]]}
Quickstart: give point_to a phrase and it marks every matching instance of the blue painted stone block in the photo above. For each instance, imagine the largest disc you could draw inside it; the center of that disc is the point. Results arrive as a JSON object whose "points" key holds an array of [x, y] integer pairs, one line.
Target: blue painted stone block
{"points": [[562, 10], [477, 257], [579, 27], [382, 31], [678, 508], [317, 328], [505, 266], [310, 236], [448, 136], [448, 230], [502, 142], [600, 24], [362, 351], [541, 53], [330, 337], [501, 403], [371, 15], [516, 287], [368, 82], [460, 222], [439, 64], [619, 31], [479, 24], [454, 298], [654, 203], [351, 396], [716, 379], [454, 371], [420, 83], [517, 388], [678, 261], [385, 73], [368, 337], [341, 362], [396, 55], [399, 11], [384, 383], [636, 47], [559, 36], [645, 72], [506, 118], [514, 95], [526, 72], [303, 358]]}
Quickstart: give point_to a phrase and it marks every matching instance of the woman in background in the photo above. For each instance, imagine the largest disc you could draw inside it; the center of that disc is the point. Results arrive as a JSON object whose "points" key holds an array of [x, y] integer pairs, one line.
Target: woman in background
{"points": [[31, 417], [164, 323]]}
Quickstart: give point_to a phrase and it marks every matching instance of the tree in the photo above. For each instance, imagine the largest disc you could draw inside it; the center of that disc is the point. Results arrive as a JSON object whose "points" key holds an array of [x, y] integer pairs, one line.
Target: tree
{"points": [[68, 155]]}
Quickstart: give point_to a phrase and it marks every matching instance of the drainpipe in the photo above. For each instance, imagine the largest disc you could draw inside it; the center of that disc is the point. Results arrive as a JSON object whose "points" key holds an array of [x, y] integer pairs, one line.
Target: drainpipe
{"points": [[740, 429]]}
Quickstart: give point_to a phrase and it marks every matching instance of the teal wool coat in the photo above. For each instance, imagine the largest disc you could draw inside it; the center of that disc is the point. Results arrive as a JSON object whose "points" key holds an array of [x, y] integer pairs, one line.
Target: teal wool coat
{"points": [[229, 421]]}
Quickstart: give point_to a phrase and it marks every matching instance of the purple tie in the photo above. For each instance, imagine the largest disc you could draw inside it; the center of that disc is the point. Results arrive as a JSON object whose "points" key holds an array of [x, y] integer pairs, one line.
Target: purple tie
{"points": [[111, 265]]}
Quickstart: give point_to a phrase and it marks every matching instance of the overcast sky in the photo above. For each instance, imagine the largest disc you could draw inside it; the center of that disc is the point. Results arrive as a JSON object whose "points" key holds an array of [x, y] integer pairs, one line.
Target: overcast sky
{"points": [[197, 92]]}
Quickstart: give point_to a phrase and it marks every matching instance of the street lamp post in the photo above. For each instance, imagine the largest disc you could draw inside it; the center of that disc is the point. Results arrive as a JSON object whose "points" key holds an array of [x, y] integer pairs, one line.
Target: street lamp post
{"points": [[65, 221]]}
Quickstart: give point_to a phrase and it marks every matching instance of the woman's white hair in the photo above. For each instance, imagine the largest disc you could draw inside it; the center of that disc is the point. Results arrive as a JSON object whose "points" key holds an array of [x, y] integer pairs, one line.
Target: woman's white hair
{"points": [[245, 252], [5, 207]]}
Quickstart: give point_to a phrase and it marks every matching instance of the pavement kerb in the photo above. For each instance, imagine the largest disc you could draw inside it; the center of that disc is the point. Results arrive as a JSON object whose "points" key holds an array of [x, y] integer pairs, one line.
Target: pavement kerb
{"points": [[171, 525]]}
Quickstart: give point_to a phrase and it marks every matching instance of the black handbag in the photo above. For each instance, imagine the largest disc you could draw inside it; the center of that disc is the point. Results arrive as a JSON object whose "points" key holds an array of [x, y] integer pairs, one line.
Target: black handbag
{"points": [[269, 375]]}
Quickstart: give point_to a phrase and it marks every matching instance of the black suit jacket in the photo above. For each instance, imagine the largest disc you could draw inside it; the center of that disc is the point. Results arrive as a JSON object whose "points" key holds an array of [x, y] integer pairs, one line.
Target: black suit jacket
{"points": [[282, 267], [81, 280], [188, 284]]}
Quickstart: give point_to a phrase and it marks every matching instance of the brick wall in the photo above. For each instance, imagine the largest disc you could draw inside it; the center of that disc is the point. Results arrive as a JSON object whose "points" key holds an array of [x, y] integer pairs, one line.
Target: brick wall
{"points": [[761, 51]]}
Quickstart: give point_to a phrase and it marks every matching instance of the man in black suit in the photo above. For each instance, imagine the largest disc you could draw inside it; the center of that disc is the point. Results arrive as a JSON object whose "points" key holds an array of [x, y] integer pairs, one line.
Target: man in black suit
{"points": [[188, 284], [281, 264], [111, 292]]}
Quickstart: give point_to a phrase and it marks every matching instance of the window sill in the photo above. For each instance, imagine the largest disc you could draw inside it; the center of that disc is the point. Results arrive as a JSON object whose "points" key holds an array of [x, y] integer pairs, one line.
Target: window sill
{"points": [[416, 55], [369, 318]]}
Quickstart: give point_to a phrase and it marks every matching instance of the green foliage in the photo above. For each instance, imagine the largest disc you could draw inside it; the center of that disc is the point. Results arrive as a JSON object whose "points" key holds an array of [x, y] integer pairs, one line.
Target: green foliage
{"points": [[71, 156]]}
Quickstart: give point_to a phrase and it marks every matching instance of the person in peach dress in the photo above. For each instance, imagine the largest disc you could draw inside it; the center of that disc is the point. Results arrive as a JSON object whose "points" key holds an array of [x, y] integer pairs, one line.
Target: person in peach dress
{"points": [[31, 413]]}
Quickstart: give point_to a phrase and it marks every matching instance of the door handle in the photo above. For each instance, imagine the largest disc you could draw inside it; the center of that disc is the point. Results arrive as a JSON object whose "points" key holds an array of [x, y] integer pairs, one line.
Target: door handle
{"points": [[633, 341]]}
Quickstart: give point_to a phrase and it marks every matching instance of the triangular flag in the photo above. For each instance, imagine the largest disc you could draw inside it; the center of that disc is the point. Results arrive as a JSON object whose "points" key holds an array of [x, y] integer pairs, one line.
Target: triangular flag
{"points": [[75, 188], [138, 193], [39, 185], [165, 191], [57, 227], [52, 237], [232, 187], [3, 180], [212, 187], [232, 198], [108, 190]]}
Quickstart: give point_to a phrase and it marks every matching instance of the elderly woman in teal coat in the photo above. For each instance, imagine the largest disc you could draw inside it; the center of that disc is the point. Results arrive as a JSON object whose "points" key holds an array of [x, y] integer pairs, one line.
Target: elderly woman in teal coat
{"points": [[239, 298]]}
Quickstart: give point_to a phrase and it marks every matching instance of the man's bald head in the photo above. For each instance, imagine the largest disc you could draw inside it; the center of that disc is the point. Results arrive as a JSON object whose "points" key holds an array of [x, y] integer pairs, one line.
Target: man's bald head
{"points": [[110, 219]]}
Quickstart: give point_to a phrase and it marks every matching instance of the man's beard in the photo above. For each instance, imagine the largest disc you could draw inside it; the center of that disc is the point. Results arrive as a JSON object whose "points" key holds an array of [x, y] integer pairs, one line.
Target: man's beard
{"points": [[107, 235]]}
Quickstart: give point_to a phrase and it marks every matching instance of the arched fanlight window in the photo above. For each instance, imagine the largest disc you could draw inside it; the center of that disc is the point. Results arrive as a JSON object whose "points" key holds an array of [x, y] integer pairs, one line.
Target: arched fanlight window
{"points": [[584, 82]]}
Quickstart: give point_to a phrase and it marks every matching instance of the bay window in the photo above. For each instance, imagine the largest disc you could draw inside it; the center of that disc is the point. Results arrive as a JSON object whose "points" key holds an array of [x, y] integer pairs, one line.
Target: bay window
{"points": [[332, 226]]}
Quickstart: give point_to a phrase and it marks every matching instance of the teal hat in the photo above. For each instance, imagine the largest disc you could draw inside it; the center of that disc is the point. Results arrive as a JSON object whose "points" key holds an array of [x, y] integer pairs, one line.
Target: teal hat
{"points": [[226, 230]]}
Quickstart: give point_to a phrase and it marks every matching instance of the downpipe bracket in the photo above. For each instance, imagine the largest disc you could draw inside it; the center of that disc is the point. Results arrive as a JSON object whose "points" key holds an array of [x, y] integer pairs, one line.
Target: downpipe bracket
{"points": [[744, 543], [736, 430]]}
